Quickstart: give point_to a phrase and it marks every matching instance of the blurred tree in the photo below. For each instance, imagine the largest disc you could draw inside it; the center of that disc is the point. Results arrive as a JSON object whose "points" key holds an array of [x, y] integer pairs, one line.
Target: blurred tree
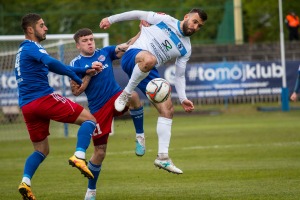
{"points": [[260, 18]]}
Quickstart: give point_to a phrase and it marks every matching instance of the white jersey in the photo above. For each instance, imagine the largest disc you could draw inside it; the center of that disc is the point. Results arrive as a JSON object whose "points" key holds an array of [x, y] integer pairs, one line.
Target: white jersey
{"points": [[164, 40]]}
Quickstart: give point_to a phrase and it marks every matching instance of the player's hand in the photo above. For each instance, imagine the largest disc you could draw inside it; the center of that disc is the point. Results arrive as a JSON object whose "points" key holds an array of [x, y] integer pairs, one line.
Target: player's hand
{"points": [[144, 23], [294, 96], [187, 105], [104, 23], [98, 66], [75, 88]]}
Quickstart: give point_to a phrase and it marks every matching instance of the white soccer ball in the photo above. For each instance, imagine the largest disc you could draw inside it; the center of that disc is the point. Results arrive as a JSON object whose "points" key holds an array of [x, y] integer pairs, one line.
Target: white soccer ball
{"points": [[158, 90]]}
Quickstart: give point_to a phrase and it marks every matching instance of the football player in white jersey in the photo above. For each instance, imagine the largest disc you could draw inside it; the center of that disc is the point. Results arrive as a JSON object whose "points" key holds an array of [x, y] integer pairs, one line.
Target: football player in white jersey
{"points": [[165, 39]]}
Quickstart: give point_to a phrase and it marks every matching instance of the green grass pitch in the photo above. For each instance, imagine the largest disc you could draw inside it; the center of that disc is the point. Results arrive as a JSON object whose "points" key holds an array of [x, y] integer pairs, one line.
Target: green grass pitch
{"points": [[239, 154]]}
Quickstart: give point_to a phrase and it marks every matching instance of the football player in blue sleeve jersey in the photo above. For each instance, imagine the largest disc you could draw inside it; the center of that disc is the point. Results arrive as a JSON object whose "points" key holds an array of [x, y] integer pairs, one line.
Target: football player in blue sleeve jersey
{"points": [[40, 104], [102, 90]]}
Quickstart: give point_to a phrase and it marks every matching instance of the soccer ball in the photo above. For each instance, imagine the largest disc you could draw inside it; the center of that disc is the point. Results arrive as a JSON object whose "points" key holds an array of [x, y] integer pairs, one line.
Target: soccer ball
{"points": [[158, 90]]}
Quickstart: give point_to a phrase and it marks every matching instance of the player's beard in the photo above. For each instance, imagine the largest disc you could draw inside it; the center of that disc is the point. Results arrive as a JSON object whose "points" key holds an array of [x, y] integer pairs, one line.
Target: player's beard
{"points": [[186, 30], [39, 36]]}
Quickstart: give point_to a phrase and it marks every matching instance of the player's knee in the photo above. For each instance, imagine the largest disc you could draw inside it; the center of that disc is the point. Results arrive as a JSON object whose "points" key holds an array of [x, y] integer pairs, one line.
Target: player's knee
{"points": [[150, 61], [85, 116], [90, 117], [46, 153], [166, 109], [43, 151], [100, 154], [168, 113], [146, 61]]}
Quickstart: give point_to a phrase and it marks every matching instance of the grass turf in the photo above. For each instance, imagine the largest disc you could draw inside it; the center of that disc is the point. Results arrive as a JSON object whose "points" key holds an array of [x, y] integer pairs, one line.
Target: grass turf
{"points": [[239, 154]]}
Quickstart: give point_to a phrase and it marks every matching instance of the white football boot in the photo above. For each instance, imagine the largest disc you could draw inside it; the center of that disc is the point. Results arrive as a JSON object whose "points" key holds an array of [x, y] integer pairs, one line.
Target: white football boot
{"points": [[121, 101], [167, 165]]}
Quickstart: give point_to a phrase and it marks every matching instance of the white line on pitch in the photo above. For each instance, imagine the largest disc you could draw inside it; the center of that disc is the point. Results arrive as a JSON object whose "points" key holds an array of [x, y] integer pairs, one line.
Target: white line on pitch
{"points": [[283, 144]]}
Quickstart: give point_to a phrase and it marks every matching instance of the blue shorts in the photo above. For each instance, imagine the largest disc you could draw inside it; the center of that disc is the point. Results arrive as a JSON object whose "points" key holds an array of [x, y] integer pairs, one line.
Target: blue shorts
{"points": [[128, 63]]}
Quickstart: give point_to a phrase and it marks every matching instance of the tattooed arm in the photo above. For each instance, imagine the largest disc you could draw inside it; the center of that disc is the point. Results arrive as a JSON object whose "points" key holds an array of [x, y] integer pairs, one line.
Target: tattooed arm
{"points": [[76, 89]]}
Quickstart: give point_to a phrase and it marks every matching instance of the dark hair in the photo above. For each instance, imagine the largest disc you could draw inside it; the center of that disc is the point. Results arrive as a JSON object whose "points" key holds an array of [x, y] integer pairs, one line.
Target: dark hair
{"points": [[82, 32], [202, 14], [30, 20]]}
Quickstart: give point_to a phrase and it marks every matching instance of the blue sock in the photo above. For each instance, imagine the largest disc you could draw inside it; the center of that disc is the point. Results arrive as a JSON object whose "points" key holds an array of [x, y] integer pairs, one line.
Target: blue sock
{"points": [[32, 163], [95, 169], [84, 135], [137, 116]]}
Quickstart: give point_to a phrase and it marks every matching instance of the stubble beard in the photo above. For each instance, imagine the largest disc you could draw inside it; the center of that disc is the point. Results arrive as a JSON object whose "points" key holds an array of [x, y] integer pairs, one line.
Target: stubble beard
{"points": [[186, 30]]}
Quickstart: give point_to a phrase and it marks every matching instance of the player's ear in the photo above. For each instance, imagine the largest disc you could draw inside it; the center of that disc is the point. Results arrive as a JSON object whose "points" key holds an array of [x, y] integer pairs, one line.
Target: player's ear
{"points": [[186, 16], [30, 30], [77, 46]]}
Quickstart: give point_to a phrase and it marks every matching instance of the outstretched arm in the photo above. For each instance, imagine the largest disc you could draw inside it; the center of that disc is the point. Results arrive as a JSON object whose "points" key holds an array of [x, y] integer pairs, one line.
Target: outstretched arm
{"points": [[77, 89], [59, 68], [121, 48], [131, 15]]}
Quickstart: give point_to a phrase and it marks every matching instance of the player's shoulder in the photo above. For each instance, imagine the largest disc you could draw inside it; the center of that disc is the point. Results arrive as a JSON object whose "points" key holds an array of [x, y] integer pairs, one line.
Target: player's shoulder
{"points": [[75, 60], [32, 48], [107, 48], [166, 17], [98, 50], [29, 44], [170, 21]]}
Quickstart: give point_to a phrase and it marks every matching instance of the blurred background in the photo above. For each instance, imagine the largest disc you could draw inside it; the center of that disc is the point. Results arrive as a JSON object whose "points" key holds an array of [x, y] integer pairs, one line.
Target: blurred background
{"points": [[228, 148], [236, 56], [256, 19]]}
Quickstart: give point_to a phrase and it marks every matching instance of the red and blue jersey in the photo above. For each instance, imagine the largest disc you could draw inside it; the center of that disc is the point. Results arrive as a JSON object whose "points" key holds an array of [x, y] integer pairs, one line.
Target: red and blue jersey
{"points": [[31, 73], [103, 85]]}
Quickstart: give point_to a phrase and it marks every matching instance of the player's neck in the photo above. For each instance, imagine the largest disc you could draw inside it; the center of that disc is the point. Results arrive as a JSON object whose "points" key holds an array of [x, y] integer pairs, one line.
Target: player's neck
{"points": [[32, 38]]}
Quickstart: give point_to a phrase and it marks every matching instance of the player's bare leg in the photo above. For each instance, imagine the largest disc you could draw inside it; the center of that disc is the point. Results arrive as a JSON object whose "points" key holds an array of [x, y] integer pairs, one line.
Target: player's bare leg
{"points": [[164, 124]]}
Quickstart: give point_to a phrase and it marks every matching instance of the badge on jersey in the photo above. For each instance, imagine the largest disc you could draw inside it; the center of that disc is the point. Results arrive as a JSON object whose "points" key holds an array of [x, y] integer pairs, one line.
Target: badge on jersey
{"points": [[101, 58], [173, 37], [43, 51]]}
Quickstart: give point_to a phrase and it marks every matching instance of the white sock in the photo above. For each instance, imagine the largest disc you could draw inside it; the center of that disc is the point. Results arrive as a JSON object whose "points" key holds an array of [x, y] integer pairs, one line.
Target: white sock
{"points": [[163, 129], [26, 180], [91, 190], [140, 135], [80, 154], [136, 77]]}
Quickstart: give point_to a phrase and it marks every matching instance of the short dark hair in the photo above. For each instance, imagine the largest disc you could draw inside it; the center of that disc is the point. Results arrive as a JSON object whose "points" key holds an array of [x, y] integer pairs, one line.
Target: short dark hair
{"points": [[202, 14], [82, 32], [29, 20]]}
